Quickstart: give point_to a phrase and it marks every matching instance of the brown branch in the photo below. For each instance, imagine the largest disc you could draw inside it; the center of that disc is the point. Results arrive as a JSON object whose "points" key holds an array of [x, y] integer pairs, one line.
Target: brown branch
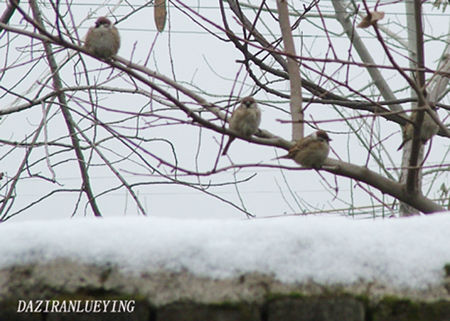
{"points": [[383, 184], [130, 68], [7, 14], [412, 179], [22, 166], [420, 63], [66, 113], [352, 171], [295, 81], [273, 140], [313, 88], [150, 79], [413, 173], [114, 170]]}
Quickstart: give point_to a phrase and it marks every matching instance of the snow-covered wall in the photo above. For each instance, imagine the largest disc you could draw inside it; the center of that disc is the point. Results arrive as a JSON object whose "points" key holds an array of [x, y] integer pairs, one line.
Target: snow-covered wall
{"points": [[312, 268]]}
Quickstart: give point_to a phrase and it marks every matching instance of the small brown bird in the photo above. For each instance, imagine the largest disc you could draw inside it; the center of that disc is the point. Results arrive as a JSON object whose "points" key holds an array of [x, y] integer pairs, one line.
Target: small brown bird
{"points": [[310, 151], [428, 130], [245, 120], [103, 40]]}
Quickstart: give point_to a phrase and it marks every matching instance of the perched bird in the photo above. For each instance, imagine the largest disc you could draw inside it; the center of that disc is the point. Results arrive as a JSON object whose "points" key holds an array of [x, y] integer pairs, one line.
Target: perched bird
{"points": [[428, 130], [245, 120], [103, 40], [310, 151]]}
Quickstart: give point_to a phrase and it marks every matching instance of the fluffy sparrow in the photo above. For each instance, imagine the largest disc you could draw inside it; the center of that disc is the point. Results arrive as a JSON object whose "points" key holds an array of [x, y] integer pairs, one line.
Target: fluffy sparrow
{"points": [[103, 40], [245, 120], [310, 151], [428, 130]]}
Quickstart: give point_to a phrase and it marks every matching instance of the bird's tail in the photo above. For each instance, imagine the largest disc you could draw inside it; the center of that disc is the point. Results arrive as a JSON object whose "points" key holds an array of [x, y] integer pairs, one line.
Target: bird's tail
{"points": [[281, 157], [402, 144], [227, 146]]}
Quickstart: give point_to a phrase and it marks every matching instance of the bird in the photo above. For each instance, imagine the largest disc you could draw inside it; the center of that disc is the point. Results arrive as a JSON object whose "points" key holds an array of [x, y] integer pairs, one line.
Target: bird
{"points": [[103, 40], [310, 151], [245, 120], [428, 130]]}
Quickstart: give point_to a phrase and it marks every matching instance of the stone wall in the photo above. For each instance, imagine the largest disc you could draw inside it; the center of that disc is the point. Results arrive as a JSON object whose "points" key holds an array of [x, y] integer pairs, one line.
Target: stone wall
{"points": [[64, 290]]}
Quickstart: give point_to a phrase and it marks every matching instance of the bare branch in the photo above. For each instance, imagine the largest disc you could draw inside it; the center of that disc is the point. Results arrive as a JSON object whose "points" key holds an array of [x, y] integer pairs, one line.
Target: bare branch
{"points": [[67, 115], [296, 102], [383, 184]]}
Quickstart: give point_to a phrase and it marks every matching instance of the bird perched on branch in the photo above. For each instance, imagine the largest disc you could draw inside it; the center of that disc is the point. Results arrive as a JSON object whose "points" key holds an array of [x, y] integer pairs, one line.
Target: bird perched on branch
{"points": [[103, 40], [428, 130], [245, 120], [310, 151]]}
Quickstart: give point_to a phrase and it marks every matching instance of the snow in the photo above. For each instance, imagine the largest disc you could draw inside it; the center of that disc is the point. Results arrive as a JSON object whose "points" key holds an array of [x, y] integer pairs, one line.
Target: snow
{"points": [[408, 252]]}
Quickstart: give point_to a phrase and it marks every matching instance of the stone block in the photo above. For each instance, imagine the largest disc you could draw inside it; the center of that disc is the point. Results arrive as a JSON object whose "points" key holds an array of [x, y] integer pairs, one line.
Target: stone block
{"points": [[11, 314], [9, 311], [199, 312], [406, 310], [315, 309]]}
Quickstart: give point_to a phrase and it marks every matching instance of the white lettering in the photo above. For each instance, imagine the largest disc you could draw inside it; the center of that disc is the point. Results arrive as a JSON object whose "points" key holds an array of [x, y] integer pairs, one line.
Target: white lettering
{"points": [[37, 309], [21, 307], [113, 310], [29, 308], [72, 304], [76, 306], [130, 309], [97, 304], [122, 306], [105, 304], [63, 307], [47, 302], [55, 305], [86, 306]]}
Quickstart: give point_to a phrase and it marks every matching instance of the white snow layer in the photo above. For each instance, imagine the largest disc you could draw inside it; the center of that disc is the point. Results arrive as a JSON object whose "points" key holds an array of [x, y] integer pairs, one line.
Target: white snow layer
{"points": [[407, 252]]}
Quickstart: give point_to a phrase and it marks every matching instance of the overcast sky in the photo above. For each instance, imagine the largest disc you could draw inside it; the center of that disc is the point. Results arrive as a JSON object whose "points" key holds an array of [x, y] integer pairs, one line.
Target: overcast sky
{"points": [[192, 56]]}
